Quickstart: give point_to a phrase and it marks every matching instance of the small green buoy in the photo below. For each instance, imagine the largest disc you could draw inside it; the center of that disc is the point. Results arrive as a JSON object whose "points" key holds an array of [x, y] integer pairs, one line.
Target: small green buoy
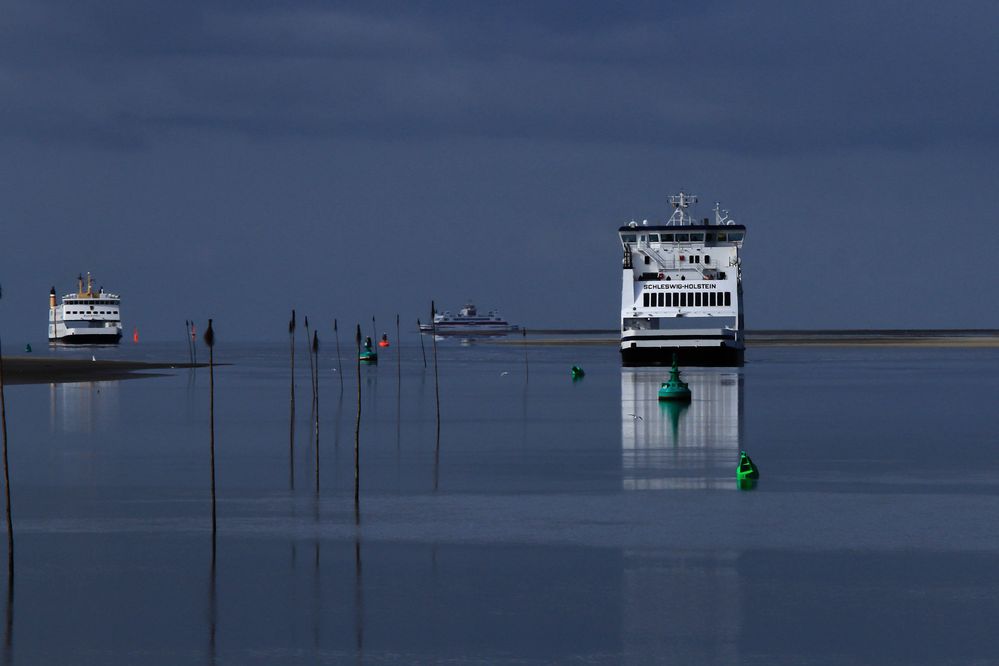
{"points": [[576, 372], [747, 469], [368, 355], [674, 388], [27, 347]]}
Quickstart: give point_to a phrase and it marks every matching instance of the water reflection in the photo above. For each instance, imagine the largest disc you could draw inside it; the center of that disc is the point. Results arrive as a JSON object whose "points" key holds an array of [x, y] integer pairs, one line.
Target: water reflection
{"points": [[667, 445], [83, 407]]}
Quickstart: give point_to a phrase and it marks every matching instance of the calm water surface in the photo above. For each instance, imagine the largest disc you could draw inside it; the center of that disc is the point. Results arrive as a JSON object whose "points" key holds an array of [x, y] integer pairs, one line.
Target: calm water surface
{"points": [[563, 522]]}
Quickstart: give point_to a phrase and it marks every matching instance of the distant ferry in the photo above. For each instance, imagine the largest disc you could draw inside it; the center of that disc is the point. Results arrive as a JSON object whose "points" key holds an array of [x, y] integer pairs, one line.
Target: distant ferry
{"points": [[468, 321], [86, 317], [682, 290]]}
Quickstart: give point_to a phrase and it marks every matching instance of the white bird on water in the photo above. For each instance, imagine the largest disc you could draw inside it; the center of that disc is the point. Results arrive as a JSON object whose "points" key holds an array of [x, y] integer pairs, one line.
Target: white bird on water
{"points": [[636, 417], [504, 373], [92, 357]]}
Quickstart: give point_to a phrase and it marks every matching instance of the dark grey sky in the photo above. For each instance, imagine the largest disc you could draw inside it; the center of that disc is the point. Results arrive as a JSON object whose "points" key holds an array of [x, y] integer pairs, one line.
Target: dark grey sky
{"points": [[236, 159]]}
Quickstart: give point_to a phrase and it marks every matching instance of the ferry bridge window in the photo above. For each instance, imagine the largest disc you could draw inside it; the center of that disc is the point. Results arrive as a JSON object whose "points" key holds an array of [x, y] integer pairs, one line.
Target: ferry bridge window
{"points": [[721, 236], [707, 258], [728, 298], [676, 300], [697, 238], [662, 299], [735, 236], [645, 300], [712, 299], [683, 300], [628, 238], [697, 299], [653, 238], [667, 238], [683, 238]]}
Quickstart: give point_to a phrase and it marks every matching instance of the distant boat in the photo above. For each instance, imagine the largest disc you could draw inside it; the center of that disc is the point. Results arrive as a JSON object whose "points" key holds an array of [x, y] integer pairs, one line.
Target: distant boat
{"points": [[86, 317], [468, 321]]}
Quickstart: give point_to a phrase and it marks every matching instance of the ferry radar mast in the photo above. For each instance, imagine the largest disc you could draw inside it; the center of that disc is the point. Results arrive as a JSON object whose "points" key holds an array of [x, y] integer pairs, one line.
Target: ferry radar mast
{"points": [[680, 202]]}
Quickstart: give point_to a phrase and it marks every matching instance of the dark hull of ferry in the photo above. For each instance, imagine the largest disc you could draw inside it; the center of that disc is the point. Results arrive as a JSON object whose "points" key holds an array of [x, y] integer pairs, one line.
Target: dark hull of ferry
{"points": [[716, 356], [87, 339]]}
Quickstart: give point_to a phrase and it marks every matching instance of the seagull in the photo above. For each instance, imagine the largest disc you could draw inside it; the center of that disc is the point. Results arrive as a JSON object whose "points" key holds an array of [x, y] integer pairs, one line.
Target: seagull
{"points": [[504, 373], [636, 417], [92, 358]]}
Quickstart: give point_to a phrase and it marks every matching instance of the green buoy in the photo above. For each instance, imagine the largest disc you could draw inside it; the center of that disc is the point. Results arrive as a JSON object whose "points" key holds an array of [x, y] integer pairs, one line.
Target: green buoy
{"points": [[27, 347], [747, 469], [368, 355], [576, 372], [674, 388]]}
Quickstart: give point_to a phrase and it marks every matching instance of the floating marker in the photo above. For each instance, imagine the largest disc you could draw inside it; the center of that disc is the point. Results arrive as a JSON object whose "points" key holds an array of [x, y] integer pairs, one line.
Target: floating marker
{"points": [[576, 372], [135, 335], [27, 347], [674, 388], [747, 469], [368, 355], [384, 341]]}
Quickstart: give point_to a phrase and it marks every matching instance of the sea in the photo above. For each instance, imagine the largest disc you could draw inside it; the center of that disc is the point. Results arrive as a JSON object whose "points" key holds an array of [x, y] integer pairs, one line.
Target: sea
{"points": [[546, 520]]}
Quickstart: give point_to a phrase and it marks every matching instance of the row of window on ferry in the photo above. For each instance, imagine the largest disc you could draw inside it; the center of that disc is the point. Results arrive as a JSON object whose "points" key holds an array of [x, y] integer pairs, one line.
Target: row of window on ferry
{"points": [[686, 300], [684, 238], [93, 312], [90, 302]]}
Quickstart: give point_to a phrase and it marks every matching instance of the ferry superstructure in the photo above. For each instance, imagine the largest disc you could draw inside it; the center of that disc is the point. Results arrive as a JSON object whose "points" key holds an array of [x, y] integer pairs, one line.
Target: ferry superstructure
{"points": [[468, 321], [681, 289], [86, 317]]}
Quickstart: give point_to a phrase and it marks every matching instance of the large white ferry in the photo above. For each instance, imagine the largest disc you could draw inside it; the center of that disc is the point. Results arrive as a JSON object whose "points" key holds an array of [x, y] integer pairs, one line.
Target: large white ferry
{"points": [[86, 317], [468, 321], [681, 289]]}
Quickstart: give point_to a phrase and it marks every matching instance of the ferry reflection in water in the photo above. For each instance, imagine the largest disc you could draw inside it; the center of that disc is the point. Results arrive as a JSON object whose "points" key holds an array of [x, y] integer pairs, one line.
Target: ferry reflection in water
{"points": [[682, 605], [82, 407], [669, 445]]}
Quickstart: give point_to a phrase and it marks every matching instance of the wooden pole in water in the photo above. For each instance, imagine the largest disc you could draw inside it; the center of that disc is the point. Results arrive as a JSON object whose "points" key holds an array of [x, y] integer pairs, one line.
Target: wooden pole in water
{"points": [[210, 341], [187, 340], [312, 369], [194, 342], [423, 349], [315, 388], [398, 354], [291, 427], [339, 364], [357, 430], [437, 388], [6, 478], [527, 368]]}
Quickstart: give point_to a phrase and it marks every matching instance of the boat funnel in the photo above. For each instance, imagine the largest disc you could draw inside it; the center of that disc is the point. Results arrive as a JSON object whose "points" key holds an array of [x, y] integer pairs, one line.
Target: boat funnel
{"points": [[52, 298]]}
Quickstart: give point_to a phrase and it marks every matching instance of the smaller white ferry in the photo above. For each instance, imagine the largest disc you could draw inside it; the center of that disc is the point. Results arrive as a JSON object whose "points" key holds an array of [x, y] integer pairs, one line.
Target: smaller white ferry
{"points": [[468, 321], [86, 317]]}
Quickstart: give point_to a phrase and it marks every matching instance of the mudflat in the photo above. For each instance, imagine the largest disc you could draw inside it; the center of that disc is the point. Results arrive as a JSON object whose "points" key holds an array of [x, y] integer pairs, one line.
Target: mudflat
{"points": [[32, 370]]}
